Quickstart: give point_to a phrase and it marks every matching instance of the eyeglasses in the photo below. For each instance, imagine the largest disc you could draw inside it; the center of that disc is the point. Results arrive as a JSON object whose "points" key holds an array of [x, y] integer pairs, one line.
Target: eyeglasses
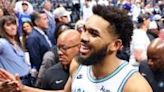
{"points": [[64, 48]]}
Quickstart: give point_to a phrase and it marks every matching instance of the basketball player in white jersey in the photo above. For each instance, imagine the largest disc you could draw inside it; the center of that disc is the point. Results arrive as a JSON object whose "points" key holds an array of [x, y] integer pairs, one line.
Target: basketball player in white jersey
{"points": [[99, 69]]}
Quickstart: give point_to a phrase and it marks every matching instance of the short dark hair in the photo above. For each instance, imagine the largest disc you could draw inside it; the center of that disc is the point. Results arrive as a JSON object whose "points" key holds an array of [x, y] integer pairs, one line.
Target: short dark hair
{"points": [[143, 16], [121, 23], [35, 16]]}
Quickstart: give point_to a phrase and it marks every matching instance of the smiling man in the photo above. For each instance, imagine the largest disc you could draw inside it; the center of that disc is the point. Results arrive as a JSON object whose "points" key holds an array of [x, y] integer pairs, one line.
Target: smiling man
{"points": [[100, 70]]}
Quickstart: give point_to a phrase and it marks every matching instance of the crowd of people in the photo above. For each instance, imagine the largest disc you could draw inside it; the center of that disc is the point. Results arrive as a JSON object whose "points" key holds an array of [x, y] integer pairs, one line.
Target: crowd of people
{"points": [[113, 47]]}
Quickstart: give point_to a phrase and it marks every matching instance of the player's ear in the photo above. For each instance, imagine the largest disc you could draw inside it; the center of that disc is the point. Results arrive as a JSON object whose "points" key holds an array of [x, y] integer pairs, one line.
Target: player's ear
{"points": [[116, 45]]}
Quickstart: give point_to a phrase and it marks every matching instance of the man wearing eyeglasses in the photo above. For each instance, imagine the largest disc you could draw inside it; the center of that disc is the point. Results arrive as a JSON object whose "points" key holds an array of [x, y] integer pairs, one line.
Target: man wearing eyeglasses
{"points": [[68, 44]]}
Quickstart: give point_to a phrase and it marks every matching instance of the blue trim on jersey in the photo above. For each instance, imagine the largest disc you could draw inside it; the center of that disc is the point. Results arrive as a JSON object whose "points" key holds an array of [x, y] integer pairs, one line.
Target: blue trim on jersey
{"points": [[116, 71], [125, 80], [79, 68]]}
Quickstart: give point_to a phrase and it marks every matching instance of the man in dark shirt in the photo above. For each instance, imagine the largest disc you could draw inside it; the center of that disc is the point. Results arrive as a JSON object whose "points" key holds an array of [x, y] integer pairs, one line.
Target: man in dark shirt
{"points": [[68, 44], [153, 69], [55, 78]]}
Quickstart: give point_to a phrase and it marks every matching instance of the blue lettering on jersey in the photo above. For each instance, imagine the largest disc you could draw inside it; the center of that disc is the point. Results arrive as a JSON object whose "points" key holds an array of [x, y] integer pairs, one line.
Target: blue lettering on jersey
{"points": [[79, 76], [103, 89]]}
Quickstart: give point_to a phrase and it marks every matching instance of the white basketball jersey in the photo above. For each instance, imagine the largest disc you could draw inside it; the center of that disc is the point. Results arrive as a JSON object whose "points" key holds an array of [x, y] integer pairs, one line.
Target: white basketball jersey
{"points": [[114, 82]]}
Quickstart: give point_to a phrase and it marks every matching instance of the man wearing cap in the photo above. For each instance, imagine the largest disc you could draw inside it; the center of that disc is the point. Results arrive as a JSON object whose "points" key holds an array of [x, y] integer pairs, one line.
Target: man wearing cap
{"points": [[159, 21], [152, 31], [62, 16]]}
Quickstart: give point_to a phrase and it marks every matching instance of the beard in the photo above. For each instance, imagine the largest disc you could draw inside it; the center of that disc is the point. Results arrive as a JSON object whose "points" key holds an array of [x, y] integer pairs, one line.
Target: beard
{"points": [[94, 58]]}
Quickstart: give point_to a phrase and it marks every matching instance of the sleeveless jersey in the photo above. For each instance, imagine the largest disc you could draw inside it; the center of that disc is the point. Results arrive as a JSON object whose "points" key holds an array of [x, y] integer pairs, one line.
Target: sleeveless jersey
{"points": [[114, 82]]}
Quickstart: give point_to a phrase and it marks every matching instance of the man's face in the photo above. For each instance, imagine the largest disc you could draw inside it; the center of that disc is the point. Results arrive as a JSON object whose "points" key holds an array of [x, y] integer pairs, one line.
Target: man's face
{"points": [[43, 21], [64, 19], [156, 59], [67, 49], [48, 5], [95, 41], [25, 7]]}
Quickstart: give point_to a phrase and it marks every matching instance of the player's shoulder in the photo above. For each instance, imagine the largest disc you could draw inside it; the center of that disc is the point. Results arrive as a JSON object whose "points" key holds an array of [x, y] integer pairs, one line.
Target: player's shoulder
{"points": [[137, 83], [73, 67]]}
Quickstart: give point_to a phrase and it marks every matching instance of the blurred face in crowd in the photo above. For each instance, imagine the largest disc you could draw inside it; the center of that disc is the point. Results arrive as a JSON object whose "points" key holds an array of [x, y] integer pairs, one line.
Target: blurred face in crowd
{"points": [[64, 19], [42, 22], [79, 26], [1, 12], [24, 7], [48, 5], [88, 3], [96, 41], [147, 21], [68, 44], [27, 28], [155, 55], [10, 29]]}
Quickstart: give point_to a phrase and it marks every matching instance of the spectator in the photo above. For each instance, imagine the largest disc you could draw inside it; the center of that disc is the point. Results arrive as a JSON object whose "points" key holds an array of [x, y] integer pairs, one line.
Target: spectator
{"points": [[17, 8], [136, 9], [23, 16], [68, 44], [47, 7], [159, 21], [140, 41], [86, 8], [1, 12], [38, 43], [153, 69], [11, 53], [62, 16], [153, 31], [7, 6], [79, 26], [50, 58], [27, 27]]}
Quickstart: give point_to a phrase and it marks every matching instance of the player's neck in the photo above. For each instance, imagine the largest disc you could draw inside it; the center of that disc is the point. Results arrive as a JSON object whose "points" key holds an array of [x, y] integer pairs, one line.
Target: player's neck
{"points": [[108, 65]]}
